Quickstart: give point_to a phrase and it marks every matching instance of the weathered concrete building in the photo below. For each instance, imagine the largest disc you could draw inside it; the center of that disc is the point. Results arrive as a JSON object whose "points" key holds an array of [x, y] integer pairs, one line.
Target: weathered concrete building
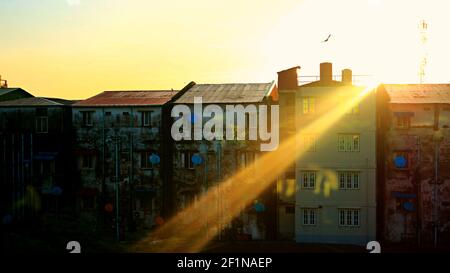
{"points": [[13, 93], [121, 157], [335, 198], [414, 162], [35, 158], [200, 164]]}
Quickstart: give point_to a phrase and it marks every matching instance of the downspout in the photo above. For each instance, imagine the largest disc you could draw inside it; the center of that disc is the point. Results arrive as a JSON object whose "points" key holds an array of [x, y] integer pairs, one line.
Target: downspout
{"points": [[117, 186], [31, 168], [103, 187], [130, 179], [437, 139], [13, 177], [22, 175]]}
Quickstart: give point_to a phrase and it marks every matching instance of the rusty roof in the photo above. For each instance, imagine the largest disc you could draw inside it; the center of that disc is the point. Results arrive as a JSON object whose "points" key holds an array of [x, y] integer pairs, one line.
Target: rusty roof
{"points": [[36, 101], [228, 93], [128, 98], [418, 93]]}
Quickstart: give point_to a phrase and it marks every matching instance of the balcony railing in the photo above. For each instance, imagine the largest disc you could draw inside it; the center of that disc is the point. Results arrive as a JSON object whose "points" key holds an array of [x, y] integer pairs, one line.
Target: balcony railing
{"points": [[356, 79]]}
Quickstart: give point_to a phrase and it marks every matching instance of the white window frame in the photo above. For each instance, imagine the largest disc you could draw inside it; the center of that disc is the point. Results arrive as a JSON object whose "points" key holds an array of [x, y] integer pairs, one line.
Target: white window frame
{"points": [[309, 179], [88, 122], [310, 141], [146, 118], [309, 216], [186, 159], [349, 180], [346, 142], [308, 105], [349, 217], [403, 122]]}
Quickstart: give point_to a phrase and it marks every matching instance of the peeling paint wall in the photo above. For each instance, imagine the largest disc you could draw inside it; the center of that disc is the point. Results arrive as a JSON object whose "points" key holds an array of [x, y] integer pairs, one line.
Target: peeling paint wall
{"points": [[33, 163], [116, 137], [222, 159], [409, 191]]}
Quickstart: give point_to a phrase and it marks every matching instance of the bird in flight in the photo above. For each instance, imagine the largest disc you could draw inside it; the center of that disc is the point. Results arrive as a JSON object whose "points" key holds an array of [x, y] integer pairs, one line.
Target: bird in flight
{"points": [[326, 40]]}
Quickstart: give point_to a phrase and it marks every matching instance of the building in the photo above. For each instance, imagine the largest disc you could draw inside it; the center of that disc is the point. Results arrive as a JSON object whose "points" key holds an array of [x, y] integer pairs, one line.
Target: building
{"points": [[200, 164], [414, 164], [35, 161], [286, 184], [121, 157], [13, 93], [336, 174]]}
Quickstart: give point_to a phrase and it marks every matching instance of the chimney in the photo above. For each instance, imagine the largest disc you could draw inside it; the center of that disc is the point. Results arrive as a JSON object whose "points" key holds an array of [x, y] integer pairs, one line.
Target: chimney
{"points": [[347, 76], [3, 83], [288, 79], [326, 72]]}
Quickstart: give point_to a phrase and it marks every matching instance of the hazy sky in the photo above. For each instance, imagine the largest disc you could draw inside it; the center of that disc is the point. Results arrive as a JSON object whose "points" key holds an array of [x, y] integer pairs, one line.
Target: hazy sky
{"points": [[77, 48]]}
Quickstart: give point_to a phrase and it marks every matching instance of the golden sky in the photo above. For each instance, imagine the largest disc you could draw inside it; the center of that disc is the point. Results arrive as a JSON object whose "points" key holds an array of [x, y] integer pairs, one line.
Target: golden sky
{"points": [[77, 48]]}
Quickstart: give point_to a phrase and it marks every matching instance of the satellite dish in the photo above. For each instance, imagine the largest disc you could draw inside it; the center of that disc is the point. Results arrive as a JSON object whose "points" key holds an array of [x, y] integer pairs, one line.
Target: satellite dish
{"points": [[259, 207], [400, 161], [155, 159], [197, 159]]}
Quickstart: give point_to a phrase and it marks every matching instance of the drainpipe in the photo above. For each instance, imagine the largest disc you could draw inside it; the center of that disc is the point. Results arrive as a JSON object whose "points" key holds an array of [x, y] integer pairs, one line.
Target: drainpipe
{"points": [[13, 177], [436, 158], [117, 188], [103, 187], [437, 137]]}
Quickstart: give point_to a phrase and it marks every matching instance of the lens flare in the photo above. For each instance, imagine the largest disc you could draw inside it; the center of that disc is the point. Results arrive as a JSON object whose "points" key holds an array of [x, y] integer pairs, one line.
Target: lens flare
{"points": [[192, 228]]}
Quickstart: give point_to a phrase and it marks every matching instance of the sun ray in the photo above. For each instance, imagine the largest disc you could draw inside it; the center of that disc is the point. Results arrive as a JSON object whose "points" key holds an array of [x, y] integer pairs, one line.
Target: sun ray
{"points": [[183, 233]]}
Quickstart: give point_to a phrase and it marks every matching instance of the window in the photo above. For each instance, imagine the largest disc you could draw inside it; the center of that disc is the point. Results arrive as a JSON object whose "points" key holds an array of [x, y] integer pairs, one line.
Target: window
{"points": [[186, 160], [349, 180], [309, 142], [146, 163], [309, 217], [87, 162], [309, 105], [87, 118], [246, 158], [403, 122], [348, 142], [41, 125], [309, 180], [146, 118], [349, 217]]}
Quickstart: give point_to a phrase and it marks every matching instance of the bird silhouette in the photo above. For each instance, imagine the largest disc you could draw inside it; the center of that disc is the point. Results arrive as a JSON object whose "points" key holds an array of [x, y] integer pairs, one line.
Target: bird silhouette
{"points": [[326, 40]]}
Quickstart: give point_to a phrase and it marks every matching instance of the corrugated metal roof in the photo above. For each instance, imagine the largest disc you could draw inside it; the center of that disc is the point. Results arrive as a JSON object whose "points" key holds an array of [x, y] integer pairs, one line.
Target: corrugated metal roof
{"points": [[4, 91], [35, 101], [228, 93], [128, 98], [7, 90], [418, 93]]}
